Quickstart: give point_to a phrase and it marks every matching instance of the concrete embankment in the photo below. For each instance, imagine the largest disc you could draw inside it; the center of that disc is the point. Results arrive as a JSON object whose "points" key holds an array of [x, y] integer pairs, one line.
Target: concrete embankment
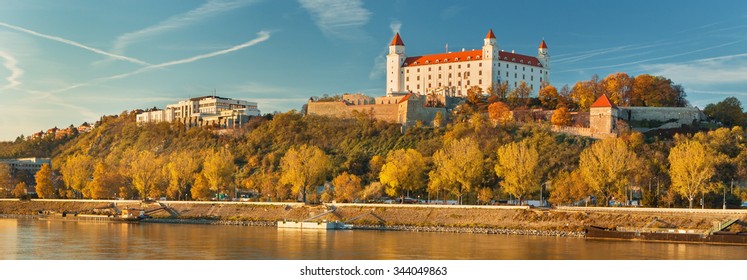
{"points": [[463, 219]]}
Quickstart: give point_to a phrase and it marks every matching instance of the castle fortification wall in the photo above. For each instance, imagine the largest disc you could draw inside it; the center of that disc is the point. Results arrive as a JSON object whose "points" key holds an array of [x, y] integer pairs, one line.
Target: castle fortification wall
{"points": [[384, 112], [683, 115]]}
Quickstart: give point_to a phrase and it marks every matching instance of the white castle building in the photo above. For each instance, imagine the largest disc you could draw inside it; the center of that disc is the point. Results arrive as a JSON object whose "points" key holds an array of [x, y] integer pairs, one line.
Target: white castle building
{"points": [[453, 73], [204, 111]]}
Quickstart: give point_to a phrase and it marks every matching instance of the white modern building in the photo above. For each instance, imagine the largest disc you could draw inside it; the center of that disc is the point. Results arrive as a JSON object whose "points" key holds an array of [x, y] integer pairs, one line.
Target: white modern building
{"points": [[453, 73], [25, 164], [204, 111]]}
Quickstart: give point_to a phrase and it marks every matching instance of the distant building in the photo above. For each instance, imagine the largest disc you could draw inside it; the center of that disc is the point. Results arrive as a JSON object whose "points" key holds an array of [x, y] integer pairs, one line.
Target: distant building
{"points": [[204, 111], [31, 165], [453, 73]]}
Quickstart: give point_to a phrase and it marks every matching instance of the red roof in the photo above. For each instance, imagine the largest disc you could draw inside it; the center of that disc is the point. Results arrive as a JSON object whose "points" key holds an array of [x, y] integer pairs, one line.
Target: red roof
{"points": [[397, 41], [519, 58], [405, 98], [467, 56], [490, 35], [602, 101], [543, 45]]}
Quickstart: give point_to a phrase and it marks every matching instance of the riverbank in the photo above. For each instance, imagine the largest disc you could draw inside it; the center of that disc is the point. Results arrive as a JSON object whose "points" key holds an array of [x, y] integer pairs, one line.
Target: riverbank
{"points": [[486, 220]]}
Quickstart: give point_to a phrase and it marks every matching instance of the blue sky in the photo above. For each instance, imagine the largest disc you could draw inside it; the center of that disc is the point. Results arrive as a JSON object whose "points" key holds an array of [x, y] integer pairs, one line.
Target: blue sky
{"points": [[66, 62]]}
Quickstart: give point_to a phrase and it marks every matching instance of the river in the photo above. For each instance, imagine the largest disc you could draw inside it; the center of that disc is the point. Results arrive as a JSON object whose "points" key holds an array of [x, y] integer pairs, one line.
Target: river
{"points": [[30, 239]]}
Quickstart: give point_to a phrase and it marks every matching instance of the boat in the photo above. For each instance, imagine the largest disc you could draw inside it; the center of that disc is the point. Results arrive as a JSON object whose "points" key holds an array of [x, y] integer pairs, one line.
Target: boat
{"points": [[716, 235], [321, 225], [127, 216]]}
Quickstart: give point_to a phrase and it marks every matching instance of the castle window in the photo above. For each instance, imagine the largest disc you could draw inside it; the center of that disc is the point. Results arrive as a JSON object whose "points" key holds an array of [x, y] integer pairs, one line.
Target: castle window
{"points": [[429, 85], [439, 76], [418, 70], [459, 66], [516, 76], [499, 72], [438, 60], [407, 71], [540, 79], [506, 74], [449, 67], [427, 61], [479, 72], [522, 61], [523, 68], [515, 84], [516, 67], [446, 60], [429, 69], [459, 74], [456, 59], [459, 83], [449, 75], [418, 86], [478, 57], [467, 82], [479, 64], [469, 57], [439, 68], [467, 65], [532, 70], [531, 78], [480, 81], [406, 79], [429, 77], [439, 84], [540, 71]]}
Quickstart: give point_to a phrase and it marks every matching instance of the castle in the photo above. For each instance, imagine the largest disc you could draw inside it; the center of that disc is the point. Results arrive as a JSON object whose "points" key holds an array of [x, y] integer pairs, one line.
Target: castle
{"points": [[453, 73], [419, 87]]}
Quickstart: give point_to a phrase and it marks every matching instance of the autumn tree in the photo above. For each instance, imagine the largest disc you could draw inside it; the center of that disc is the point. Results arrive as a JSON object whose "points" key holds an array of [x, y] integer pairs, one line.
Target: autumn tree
{"points": [[218, 170], [518, 166], [201, 188], [180, 172], [76, 173], [6, 181], [569, 187], [549, 97], [485, 195], [561, 117], [373, 191], [619, 86], [691, 167], [144, 171], [460, 165], [44, 187], [438, 119], [304, 168], [606, 167], [474, 95], [347, 187], [583, 94], [105, 183], [499, 112], [20, 190], [403, 172]]}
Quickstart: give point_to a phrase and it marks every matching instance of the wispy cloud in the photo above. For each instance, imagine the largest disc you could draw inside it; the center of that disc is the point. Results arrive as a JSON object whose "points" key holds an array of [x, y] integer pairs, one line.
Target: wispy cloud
{"points": [[451, 11], [730, 69], [10, 63], [379, 64], [73, 43], [338, 18], [650, 59], [261, 37], [206, 10]]}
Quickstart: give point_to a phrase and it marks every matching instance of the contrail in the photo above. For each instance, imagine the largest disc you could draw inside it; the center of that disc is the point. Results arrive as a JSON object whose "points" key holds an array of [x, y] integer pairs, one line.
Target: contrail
{"points": [[210, 8], [73, 43], [15, 72], [261, 37]]}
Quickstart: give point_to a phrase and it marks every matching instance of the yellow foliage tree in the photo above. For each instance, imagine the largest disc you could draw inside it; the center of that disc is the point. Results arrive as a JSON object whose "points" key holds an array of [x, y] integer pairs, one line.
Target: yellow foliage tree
{"points": [[20, 189], [76, 173], [201, 190], [549, 97], [347, 187], [499, 112], [44, 187], [180, 172], [691, 167], [561, 117], [304, 168], [606, 167], [105, 183], [403, 171], [567, 188], [218, 170], [144, 171], [518, 166], [459, 165], [619, 86]]}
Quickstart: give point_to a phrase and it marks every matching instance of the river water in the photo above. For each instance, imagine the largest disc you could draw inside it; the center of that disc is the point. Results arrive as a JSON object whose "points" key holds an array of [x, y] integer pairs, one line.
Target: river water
{"points": [[27, 238]]}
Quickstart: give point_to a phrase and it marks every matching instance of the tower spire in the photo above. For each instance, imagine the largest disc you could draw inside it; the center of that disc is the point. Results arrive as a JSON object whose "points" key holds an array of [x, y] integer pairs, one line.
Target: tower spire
{"points": [[490, 34], [397, 41]]}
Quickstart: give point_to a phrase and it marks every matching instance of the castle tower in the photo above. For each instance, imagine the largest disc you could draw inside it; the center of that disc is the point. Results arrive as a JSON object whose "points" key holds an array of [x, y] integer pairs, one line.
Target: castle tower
{"points": [[602, 116], [490, 46], [394, 76], [544, 57]]}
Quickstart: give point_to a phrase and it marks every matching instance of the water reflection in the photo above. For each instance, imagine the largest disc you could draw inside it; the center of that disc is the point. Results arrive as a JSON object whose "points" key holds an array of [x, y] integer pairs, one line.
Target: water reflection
{"points": [[33, 239]]}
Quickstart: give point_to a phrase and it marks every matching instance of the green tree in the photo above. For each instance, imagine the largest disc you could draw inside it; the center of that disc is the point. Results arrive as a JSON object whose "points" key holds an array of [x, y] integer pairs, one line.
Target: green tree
{"points": [[728, 112], [607, 166], [347, 187], [44, 187], [460, 165], [304, 168], [403, 171], [691, 166], [518, 166], [76, 173]]}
